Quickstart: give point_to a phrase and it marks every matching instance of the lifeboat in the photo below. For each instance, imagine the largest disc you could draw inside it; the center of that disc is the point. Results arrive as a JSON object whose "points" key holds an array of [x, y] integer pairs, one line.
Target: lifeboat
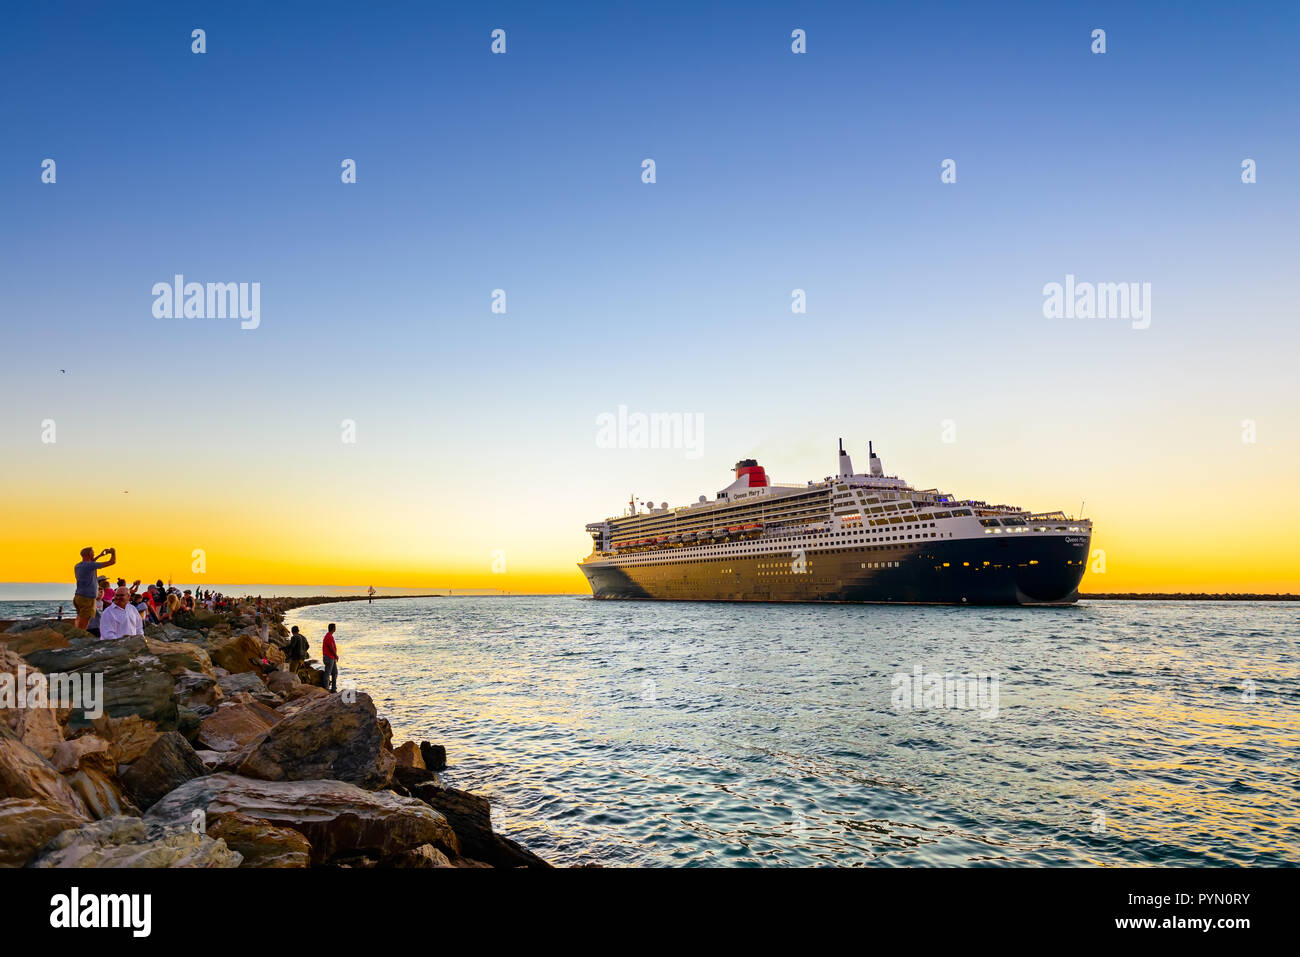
{"points": [[674, 539], [719, 533]]}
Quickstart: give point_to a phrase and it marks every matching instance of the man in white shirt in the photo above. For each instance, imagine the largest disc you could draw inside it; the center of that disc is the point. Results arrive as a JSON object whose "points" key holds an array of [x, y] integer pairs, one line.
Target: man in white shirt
{"points": [[120, 619]]}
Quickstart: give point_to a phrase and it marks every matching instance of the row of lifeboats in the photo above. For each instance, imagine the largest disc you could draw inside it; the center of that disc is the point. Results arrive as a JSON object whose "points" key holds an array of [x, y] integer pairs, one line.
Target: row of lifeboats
{"points": [[736, 532]]}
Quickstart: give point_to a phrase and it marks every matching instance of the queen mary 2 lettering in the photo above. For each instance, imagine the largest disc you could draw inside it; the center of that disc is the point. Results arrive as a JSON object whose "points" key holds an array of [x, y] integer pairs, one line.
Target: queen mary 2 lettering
{"points": [[852, 537]]}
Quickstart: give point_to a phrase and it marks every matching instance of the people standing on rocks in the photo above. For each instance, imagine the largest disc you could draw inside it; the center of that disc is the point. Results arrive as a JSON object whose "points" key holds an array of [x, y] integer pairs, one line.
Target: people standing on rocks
{"points": [[87, 591], [296, 653], [120, 619], [330, 654]]}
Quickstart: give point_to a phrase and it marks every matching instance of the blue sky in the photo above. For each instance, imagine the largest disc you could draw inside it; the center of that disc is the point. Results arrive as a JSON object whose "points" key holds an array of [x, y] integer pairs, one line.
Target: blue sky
{"points": [[775, 171]]}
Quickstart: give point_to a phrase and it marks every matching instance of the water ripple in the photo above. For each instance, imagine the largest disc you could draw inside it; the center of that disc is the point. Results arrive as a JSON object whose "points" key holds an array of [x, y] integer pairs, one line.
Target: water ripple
{"points": [[699, 734]]}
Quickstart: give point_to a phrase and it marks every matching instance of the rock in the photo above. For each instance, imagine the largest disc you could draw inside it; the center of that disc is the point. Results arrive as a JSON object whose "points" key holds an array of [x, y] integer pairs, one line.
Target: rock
{"points": [[327, 738], [424, 856], [180, 657], [25, 774], [339, 819], [470, 816], [198, 691], [435, 756], [232, 727], [188, 723], [129, 737], [262, 843], [35, 639], [248, 681], [282, 682], [40, 728], [89, 748], [235, 653], [211, 759], [168, 764], [409, 778], [172, 631], [100, 790], [135, 682], [27, 825], [300, 691], [409, 756], [124, 842]]}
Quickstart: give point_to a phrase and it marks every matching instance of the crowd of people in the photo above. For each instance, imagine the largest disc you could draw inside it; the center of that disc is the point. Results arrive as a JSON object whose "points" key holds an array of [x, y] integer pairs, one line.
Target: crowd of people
{"points": [[110, 611]]}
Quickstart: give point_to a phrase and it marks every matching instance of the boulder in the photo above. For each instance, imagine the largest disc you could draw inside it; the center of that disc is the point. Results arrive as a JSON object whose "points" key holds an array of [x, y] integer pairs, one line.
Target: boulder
{"points": [[129, 737], [300, 691], [261, 843], [409, 756], [435, 756], [188, 723], [103, 795], [35, 639], [174, 631], [135, 682], [180, 657], [409, 778], [339, 819], [327, 738], [124, 842], [248, 681], [168, 764], [89, 749], [41, 728], [282, 682], [470, 816], [424, 856], [236, 653], [232, 727], [211, 759], [25, 774], [198, 691], [27, 825]]}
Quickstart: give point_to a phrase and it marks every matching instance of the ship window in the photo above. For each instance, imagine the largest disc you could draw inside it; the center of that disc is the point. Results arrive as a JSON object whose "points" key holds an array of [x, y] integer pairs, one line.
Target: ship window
{"points": [[960, 512], [1013, 521], [943, 514], [988, 522]]}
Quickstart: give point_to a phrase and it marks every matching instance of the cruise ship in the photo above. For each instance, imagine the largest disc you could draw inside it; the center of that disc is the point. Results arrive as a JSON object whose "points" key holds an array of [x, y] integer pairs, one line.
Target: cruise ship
{"points": [[852, 537]]}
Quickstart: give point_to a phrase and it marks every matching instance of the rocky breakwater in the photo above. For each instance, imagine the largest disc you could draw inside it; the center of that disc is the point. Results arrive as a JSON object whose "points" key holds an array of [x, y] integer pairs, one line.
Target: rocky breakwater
{"points": [[196, 756]]}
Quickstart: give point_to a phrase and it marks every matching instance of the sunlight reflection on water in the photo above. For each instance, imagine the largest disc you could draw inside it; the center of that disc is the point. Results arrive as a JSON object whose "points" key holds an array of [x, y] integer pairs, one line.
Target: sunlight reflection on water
{"points": [[667, 733]]}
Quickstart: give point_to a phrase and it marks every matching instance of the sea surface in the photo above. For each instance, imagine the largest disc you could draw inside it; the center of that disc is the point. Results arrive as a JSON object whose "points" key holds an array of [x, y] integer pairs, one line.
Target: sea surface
{"points": [[643, 733]]}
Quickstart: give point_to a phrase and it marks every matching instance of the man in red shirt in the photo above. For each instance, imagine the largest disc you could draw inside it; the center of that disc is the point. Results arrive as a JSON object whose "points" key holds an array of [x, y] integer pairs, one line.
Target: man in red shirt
{"points": [[331, 656]]}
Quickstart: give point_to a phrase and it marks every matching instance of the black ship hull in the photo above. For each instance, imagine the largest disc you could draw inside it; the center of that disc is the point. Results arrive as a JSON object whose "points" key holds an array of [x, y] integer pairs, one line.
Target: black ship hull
{"points": [[1029, 571]]}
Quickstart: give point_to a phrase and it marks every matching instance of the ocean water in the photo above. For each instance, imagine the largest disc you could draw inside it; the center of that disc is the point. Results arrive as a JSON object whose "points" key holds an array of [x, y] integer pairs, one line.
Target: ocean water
{"points": [[643, 733]]}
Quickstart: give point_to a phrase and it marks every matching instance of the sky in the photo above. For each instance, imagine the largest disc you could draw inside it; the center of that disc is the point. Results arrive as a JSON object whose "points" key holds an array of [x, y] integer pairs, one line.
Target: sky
{"points": [[475, 456]]}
